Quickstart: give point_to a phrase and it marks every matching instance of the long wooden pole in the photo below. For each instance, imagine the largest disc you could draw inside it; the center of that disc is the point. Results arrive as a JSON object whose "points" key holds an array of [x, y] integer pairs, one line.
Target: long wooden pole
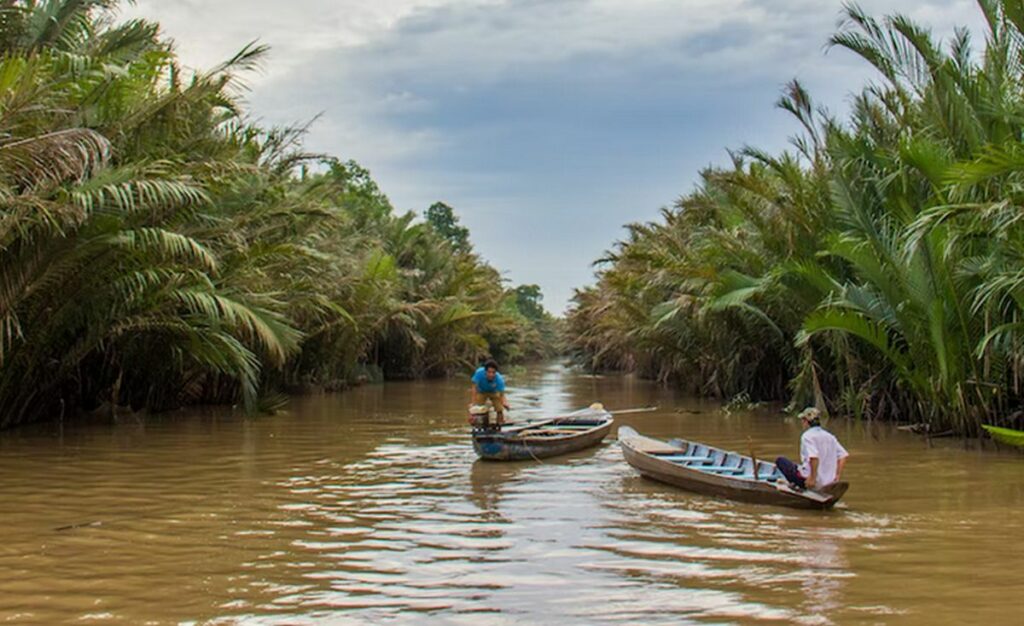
{"points": [[513, 426], [646, 409]]}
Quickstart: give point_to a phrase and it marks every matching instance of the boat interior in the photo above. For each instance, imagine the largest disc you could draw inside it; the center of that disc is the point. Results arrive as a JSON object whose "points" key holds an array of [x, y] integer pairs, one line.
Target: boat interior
{"points": [[556, 427], [564, 426], [703, 458]]}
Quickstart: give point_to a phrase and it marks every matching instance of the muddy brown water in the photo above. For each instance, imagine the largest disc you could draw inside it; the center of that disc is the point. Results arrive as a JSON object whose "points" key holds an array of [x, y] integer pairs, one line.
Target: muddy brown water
{"points": [[370, 507]]}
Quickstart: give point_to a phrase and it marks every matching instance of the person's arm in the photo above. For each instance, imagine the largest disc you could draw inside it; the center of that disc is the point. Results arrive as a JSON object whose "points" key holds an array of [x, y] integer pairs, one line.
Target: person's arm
{"points": [[810, 480], [809, 457], [841, 461], [841, 465], [501, 390], [474, 383]]}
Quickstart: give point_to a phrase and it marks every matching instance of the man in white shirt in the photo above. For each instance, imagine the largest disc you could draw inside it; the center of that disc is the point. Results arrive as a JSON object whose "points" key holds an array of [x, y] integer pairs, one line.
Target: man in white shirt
{"points": [[822, 457]]}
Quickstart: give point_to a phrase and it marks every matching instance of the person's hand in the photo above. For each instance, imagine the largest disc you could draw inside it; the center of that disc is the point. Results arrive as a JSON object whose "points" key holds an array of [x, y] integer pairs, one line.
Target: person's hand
{"points": [[809, 482]]}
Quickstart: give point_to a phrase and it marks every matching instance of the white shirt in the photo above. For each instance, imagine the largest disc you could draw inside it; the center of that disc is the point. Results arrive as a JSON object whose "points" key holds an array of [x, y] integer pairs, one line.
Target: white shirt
{"points": [[818, 443]]}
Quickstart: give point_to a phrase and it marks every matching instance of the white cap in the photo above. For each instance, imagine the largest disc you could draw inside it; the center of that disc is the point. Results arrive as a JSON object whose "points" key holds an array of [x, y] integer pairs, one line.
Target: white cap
{"points": [[810, 414]]}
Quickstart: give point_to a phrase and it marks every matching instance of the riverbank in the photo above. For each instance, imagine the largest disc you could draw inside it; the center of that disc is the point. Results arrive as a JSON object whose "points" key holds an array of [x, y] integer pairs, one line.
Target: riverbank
{"points": [[873, 269], [161, 249]]}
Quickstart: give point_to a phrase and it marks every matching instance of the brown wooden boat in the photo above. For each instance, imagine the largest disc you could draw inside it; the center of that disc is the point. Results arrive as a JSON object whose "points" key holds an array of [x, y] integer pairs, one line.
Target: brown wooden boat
{"points": [[704, 469], [544, 438]]}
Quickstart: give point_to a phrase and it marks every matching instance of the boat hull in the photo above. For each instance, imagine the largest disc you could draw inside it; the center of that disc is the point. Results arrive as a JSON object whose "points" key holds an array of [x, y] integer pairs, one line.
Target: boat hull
{"points": [[521, 446], [744, 490]]}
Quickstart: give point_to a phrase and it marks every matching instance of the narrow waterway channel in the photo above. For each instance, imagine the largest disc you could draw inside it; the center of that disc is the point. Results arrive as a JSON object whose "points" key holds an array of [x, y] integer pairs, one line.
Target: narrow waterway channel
{"points": [[370, 507]]}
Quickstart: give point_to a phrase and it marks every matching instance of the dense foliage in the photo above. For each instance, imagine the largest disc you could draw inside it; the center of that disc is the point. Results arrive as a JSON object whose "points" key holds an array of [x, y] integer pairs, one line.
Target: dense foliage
{"points": [[158, 249], [876, 269]]}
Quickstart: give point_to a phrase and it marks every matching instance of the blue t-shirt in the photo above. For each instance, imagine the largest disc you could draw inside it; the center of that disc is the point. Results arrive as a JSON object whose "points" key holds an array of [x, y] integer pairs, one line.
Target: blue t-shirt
{"points": [[488, 386]]}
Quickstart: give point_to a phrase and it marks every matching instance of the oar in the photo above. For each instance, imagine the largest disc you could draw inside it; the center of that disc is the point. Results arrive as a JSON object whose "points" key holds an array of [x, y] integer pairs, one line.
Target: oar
{"points": [[646, 409], [511, 427]]}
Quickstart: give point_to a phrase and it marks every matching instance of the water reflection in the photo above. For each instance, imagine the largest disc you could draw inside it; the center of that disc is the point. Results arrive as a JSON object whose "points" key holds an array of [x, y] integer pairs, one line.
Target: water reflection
{"points": [[821, 579], [370, 508], [488, 483]]}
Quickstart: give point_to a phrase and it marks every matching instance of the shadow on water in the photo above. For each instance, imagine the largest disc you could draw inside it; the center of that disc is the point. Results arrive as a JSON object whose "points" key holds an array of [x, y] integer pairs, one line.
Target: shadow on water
{"points": [[370, 507], [488, 484]]}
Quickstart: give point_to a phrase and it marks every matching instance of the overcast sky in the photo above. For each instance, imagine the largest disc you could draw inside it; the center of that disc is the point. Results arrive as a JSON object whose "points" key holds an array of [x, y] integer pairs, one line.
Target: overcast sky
{"points": [[547, 124]]}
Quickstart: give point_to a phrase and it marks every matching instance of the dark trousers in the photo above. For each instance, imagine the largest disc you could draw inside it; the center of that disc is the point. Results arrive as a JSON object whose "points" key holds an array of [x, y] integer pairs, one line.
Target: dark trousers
{"points": [[791, 471]]}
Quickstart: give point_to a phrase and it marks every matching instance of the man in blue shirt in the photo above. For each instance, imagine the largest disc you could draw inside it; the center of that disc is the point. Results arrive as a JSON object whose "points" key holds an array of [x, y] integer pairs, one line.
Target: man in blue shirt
{"points": [[488, 384]]}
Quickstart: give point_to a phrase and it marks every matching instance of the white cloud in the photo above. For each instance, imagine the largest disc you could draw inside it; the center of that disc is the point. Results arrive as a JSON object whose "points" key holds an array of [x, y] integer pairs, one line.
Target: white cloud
{"points": [[502, 34], [209, 32], [524, 114]]}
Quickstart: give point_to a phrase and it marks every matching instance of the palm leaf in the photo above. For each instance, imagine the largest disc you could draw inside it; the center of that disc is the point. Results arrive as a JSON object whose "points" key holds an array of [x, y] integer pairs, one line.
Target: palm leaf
{"points": [[1006, 435]]}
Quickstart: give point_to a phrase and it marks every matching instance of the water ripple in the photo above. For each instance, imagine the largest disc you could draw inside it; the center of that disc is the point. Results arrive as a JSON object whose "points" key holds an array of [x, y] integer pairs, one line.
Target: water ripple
{"points": [[364, 508]]}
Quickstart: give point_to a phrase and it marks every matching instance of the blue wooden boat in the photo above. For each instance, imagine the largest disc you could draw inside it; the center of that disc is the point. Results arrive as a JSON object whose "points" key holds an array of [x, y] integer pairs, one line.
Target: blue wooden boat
{"points": [[544, 438], [704, 469]]}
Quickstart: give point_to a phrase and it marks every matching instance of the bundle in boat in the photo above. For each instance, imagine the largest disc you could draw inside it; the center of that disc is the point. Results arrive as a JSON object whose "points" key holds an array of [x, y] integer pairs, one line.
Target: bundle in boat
{"points": [[545, 437], [708, 470]]}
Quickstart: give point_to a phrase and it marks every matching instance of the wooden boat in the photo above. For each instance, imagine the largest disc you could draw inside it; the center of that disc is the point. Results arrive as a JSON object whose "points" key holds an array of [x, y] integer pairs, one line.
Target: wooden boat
{"points": [[544, 438], [711, 471]]}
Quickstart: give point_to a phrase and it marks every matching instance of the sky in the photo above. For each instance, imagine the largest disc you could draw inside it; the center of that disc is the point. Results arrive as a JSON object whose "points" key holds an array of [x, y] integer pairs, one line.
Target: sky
{"points": [[546, 124]]}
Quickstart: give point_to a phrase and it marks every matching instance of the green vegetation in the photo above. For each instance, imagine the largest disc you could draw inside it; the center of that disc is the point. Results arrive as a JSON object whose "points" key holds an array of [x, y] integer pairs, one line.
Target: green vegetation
{"points": [[157, 249], [1006, 435], [876, 269]]}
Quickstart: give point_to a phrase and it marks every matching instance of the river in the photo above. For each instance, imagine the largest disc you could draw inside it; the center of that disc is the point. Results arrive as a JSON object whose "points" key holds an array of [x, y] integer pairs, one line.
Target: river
{"points": [[370, 507]]}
